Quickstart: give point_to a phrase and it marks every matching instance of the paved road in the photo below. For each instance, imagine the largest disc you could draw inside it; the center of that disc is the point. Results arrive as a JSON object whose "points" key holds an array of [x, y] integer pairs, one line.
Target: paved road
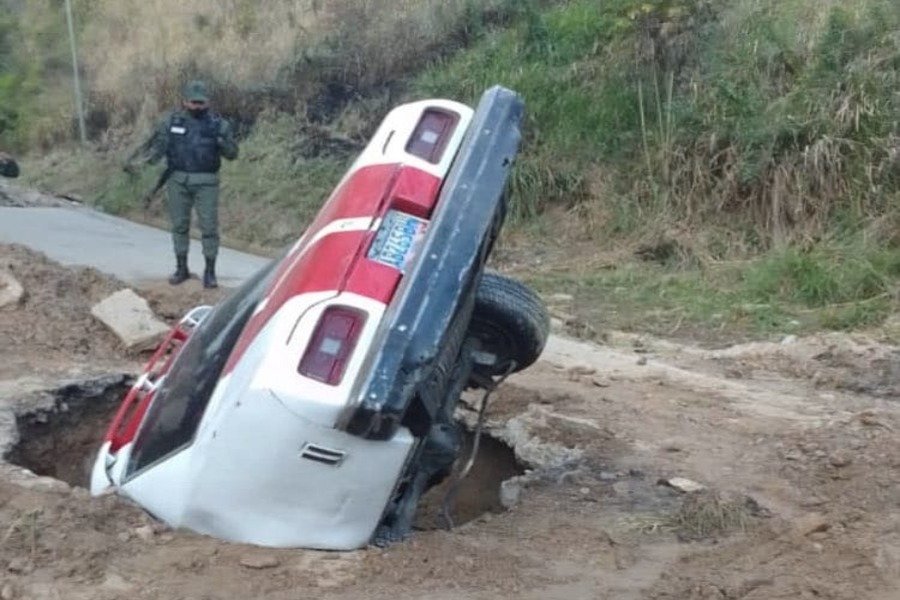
{"points": [[132, 252]]}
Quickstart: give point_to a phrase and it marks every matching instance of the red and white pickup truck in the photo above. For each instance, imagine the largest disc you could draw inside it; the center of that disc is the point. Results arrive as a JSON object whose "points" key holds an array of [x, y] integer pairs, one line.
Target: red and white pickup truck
{"points": [[315, 404]]}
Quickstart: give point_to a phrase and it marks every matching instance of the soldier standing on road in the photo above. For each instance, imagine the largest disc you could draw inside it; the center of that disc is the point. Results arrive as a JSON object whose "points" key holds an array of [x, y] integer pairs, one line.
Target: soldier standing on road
{"points": [[8, 165], [193, 140]]}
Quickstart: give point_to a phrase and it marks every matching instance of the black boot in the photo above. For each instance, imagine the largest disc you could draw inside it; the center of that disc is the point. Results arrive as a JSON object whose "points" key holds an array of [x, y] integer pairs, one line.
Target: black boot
{"points": [[181, 270], [209, 275]]}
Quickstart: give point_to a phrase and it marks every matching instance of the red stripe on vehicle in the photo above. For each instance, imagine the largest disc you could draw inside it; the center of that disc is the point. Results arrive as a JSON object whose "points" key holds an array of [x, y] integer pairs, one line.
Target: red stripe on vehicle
{"points": [[415, 192], [362, 194], [326, 265], [373, 280], [323, 267]]}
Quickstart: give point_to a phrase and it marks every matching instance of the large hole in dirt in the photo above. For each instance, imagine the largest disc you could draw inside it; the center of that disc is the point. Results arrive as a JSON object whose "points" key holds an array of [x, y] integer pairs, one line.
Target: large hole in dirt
{"points": [[478, 493], [61, 440]]}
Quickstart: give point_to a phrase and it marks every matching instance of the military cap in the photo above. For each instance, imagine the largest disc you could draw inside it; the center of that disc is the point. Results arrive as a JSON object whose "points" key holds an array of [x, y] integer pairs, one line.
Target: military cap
{"points": [[196, 91]]}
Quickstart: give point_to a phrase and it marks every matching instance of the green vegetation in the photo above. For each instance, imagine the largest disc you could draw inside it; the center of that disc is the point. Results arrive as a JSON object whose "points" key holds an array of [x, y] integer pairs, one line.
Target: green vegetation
{"points": [[774, 118], [840, 286], [753, 145], [28, 78]]}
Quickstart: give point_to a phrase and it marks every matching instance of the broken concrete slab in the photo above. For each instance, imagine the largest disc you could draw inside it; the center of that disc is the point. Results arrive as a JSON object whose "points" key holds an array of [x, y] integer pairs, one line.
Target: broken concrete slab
{"points": [[130, 317], [11, 291]]}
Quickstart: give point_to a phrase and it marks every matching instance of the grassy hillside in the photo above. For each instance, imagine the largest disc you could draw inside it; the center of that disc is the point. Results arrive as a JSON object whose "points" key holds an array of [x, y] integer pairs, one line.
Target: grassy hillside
{"points": [[737, 161], [777, 119]]}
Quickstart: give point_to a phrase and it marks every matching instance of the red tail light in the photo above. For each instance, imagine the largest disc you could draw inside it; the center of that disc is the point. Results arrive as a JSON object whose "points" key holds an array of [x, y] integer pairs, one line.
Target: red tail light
{"points": [[332, 344], [432, 134]]}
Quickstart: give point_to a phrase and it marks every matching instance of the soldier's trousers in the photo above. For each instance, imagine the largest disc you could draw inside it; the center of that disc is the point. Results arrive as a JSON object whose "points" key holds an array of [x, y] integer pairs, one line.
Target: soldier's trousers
{"points": [[184, 196]]}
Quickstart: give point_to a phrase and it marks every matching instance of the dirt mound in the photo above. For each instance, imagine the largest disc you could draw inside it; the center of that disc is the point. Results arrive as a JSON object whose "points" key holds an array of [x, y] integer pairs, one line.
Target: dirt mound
{"points": [[171, 303], [52, 324]]}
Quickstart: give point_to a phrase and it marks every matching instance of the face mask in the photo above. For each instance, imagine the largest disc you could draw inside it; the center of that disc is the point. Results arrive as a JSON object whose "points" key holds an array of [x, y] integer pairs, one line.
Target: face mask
{"points": [[197, 112]]}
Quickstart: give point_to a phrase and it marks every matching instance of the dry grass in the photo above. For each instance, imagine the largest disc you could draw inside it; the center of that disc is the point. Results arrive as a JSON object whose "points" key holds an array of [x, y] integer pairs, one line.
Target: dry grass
{"points": [[138, 53], [135, 55], [702, 515], [705, 515]]}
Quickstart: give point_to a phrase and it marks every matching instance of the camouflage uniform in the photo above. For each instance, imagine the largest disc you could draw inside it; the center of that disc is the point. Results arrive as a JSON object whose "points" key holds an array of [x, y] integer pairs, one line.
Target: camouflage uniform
{"points": [[193, 145]]}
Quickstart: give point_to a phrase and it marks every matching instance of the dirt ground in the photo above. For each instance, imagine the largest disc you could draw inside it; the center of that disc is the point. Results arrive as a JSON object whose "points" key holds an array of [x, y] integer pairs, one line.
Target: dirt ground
{"points": [[795, 446]]}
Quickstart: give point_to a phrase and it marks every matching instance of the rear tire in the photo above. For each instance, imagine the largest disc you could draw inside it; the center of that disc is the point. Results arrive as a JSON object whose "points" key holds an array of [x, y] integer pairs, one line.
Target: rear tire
{"points": [[510, 323]]}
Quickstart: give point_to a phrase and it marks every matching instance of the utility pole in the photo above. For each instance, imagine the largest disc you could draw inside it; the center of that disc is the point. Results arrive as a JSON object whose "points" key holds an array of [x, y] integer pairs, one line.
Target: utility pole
{"points": [[78, 103]]}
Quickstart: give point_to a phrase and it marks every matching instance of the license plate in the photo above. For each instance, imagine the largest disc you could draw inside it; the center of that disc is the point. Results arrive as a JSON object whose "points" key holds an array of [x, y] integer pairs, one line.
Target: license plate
{"points": [[397, 239]]}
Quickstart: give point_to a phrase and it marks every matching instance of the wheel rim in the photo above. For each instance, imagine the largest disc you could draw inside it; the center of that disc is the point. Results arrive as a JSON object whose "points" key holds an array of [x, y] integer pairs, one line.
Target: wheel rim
{"points": [[496, 341]]}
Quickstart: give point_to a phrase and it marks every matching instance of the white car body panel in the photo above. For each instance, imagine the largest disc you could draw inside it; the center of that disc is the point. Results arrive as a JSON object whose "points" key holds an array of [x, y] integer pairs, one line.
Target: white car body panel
{"points": [[266, 465]]}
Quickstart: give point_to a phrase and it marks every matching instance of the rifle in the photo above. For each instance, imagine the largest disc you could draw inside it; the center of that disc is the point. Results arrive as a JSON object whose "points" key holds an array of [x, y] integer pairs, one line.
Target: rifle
{"points": [[163, 177]]}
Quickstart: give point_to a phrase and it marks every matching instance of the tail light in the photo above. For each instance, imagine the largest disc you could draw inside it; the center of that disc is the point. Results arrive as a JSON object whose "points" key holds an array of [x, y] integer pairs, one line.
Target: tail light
{"points": [[431, 135], [332, 344]]}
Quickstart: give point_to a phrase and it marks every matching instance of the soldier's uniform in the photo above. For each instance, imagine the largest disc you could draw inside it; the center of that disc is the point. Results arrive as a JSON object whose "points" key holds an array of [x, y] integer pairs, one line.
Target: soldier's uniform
{"points": [[193, 143]]}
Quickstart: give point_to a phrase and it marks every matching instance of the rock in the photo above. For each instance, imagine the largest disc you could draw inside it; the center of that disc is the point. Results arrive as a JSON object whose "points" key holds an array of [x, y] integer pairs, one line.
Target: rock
{"points": [[510, 492], [819, 378], [566, 317], [466, 562], [19, 564], [144, 533], [11, 290], [124, 536], [577, 371], [870, 419], [811, 523], [840, 460], [7, 592], [600, 382], [131, 319], [642, 361], [788, 340], [685, 485], [560, 298], [557, 325], [260, 561]]}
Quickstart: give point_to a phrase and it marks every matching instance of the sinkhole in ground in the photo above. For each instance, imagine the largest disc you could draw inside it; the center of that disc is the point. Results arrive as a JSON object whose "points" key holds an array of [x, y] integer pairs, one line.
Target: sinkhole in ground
{"points": [[479, 492], [61, 439]]}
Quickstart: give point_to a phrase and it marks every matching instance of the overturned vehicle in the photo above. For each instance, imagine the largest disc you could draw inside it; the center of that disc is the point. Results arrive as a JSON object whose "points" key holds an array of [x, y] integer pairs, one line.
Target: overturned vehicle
{"points": [[315, 405]]}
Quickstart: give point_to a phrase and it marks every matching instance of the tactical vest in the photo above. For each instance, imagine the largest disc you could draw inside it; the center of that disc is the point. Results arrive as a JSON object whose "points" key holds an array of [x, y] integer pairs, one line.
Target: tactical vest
{"points": [[193, 146]]}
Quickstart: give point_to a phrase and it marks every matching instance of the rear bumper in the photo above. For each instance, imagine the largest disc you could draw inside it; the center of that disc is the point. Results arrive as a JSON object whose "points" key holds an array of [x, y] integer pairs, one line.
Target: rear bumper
{"points": [[308, 486], [434, 300]]}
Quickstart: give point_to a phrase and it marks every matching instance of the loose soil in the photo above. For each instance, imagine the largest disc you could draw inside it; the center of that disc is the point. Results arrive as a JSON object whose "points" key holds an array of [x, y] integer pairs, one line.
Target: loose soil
{"points": [[795, 445]]}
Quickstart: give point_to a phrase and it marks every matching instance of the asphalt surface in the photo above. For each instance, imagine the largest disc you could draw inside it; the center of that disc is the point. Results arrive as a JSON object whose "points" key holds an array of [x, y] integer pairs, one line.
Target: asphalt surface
{"points": [[135, 253]]}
